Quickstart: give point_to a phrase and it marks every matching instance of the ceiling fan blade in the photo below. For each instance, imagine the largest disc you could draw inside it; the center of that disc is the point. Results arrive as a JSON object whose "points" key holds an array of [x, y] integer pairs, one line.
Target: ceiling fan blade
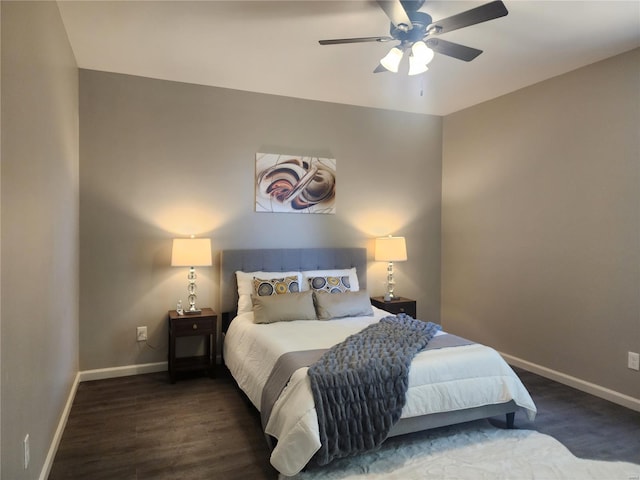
{"points": [[396, 13], [451, 49], [483, 13], [338, 41]]}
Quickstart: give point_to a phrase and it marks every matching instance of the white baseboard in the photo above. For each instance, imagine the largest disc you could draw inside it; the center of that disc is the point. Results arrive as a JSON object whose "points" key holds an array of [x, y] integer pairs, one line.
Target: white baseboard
{"points": [[582, 385], [102, 373], [57, 436]]}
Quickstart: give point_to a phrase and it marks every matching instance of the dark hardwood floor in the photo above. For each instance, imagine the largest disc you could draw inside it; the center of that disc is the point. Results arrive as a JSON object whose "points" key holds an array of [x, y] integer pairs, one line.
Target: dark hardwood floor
{"points": [[143, 427], [588, 426]]}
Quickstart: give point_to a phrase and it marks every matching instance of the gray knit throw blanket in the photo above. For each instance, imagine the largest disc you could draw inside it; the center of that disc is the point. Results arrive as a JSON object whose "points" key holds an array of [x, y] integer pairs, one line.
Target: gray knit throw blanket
{"points": [[359, 386]]}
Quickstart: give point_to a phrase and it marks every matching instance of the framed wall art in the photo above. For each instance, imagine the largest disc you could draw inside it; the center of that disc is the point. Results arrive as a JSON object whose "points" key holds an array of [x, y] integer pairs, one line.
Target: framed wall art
{"points": [[295, 184]]}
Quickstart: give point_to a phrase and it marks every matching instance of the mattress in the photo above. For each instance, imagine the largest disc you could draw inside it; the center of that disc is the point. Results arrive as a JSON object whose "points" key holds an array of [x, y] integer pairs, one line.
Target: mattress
{"points": [[442, 380]]}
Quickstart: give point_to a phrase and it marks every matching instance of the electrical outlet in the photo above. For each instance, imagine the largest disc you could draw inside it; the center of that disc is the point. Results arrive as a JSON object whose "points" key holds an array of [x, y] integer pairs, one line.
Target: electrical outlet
{"points": [[141, 334], [27, 453], [633, 361]]}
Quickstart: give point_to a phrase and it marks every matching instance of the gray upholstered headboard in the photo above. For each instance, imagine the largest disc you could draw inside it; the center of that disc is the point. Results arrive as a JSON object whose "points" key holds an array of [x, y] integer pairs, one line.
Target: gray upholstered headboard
{"points": [[283, 259]]}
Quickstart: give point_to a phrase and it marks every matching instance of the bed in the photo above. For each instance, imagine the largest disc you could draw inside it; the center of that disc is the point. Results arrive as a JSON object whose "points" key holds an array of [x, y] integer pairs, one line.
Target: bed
{"points": [[446, 385]]}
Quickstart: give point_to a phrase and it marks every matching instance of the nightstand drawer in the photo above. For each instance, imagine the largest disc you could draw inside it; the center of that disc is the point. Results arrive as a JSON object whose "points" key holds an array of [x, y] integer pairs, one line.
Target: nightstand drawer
{"points": [[397, 309], [193, 326]]}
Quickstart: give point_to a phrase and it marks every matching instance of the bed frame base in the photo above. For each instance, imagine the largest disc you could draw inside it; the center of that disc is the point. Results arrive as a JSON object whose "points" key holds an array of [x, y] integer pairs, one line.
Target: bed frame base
{"points": [[426, 422], [435, 420]]}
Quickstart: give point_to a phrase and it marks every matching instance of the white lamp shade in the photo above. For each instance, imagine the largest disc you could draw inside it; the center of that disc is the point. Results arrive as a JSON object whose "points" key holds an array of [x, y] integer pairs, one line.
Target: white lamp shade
{"points": [[391, 249], [391, 60], [422, 53], [416, 66], [191, 252]]}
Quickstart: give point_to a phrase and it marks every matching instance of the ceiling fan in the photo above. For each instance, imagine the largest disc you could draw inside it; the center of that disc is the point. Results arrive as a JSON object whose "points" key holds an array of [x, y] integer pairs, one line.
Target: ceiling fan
{"points": [[416, 31]]}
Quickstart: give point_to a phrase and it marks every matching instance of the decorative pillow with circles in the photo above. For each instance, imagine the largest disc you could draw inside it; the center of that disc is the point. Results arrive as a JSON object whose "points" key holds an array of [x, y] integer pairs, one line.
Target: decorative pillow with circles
{"points": [[350, 273], [275, 286], [330, 284], [245, 285]]}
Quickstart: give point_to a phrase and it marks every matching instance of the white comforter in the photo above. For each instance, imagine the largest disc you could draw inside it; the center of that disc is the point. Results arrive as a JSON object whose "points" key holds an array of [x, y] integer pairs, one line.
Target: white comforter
{"points": [[439, 380]]}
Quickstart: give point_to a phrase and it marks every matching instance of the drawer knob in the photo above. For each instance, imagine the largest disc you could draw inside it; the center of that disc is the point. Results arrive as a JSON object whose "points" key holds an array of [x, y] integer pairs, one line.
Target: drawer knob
{"points": [[195, 326]]}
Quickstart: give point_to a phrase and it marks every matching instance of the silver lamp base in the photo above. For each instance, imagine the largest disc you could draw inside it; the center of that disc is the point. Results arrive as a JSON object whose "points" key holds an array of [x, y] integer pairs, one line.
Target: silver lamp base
{"points": [[192, 288], [389, 296]]}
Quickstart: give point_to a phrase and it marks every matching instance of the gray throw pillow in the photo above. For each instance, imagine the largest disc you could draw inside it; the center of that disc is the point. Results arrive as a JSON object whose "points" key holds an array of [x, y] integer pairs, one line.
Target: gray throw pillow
{"points": [[341, 305], [283, 308]]}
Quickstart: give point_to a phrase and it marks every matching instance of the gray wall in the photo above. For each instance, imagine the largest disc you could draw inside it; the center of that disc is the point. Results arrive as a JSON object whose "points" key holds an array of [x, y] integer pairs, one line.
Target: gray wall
{"points": [[163, 159], [40, 230], [541, 223]]}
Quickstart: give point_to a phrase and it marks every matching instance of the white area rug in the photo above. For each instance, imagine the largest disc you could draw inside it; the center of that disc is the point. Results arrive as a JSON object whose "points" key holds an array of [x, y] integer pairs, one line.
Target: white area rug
{"points": [[472, 451]]}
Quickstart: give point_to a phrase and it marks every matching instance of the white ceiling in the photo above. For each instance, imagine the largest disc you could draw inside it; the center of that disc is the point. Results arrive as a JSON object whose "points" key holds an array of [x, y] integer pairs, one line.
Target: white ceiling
{"points": [[272, 47]]}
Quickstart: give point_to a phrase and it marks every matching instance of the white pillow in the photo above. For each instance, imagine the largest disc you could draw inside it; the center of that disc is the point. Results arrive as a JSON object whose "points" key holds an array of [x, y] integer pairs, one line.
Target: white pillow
{"points": [[345, 272], [245, 286]]}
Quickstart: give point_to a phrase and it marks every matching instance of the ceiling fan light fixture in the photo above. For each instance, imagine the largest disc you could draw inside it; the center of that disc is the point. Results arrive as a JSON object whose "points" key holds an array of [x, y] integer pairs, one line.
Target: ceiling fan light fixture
{"points": [[422, 53], [391, 60], [416, 67]]}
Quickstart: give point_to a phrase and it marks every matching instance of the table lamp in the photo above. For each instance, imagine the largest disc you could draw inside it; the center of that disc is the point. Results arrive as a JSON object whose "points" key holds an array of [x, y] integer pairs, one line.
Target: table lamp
{"points": [[390, 249], [191, 252]]}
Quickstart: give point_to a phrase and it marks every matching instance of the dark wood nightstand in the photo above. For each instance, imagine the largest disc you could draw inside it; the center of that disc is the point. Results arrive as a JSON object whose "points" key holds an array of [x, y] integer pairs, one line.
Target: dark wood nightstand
{"points": [[397, 305], [189, 325]]}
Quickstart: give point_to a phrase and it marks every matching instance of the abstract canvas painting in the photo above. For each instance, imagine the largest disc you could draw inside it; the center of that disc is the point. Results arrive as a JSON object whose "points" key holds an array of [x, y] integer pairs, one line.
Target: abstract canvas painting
{"points": [[295, 184]]}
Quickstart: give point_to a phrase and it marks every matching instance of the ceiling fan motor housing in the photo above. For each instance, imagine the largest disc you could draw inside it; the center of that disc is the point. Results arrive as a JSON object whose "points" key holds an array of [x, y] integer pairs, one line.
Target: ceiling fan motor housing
{"points": [[420, 22], [411, 5]]}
